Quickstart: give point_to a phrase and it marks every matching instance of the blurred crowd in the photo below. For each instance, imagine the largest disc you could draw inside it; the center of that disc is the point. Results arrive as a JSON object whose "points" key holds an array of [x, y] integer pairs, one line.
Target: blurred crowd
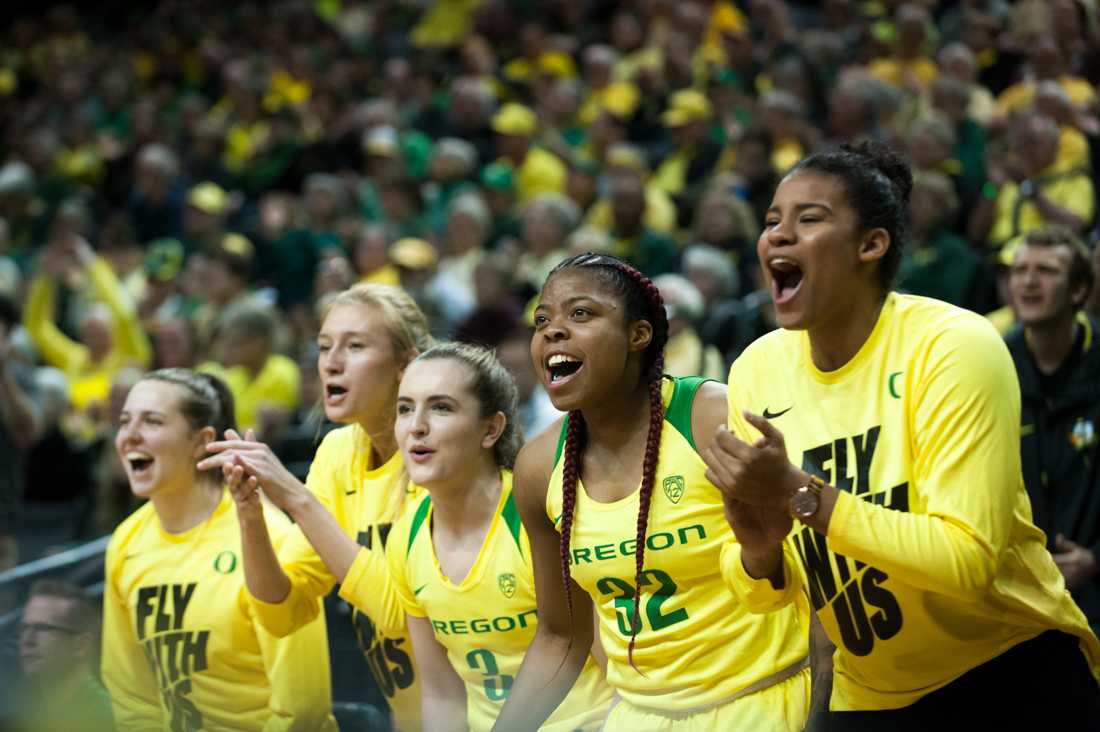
{"points": [[187, 183]]}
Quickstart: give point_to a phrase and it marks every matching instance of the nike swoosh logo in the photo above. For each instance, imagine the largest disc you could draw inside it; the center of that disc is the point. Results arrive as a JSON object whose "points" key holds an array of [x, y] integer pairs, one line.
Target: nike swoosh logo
{"points": [[557, 520], [772, 415], [418, 589]]}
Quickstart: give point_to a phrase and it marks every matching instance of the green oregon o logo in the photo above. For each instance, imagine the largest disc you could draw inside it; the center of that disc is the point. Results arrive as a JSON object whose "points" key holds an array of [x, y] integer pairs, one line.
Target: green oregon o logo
{"points": [[225, 562]]}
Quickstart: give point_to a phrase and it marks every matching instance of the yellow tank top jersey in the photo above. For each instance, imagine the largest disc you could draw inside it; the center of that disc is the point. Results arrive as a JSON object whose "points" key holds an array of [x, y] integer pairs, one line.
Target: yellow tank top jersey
{"points": [[487, 621], [925, 421], [180, 649], [365, 502], [696, 647]]}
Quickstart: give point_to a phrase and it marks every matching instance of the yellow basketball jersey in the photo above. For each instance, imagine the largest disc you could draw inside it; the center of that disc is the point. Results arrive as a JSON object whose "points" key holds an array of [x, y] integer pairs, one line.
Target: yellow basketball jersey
{"points": [[180, 648], [924, 421], [365, 502], [487, 621], [697, 646]]}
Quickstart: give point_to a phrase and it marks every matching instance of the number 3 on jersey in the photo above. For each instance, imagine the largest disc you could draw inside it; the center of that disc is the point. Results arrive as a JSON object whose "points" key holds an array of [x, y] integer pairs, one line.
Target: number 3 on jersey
{"points": [[624, 600], [497, 685]]}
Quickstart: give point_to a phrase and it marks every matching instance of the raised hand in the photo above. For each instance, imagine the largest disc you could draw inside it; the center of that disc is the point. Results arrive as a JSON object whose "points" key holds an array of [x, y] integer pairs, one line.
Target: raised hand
{"points": [[244, 492], [759, 474], [258, 461]]}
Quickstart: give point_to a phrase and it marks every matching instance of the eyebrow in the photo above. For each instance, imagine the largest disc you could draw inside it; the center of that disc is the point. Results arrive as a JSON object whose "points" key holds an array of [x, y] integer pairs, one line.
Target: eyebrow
{"points": [[571, 300], [347, 333], [430, 398], [802, 207], [155, 412]]}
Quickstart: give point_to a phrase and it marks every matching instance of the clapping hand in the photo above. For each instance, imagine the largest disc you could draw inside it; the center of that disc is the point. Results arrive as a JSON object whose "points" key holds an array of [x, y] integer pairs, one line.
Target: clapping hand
{"points": [[759, 474], [244, 491], [258, 461]]}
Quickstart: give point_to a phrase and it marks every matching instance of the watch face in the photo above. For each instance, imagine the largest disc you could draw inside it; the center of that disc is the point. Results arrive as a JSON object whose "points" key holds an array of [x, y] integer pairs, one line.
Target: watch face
{"points": [[804, 503]]}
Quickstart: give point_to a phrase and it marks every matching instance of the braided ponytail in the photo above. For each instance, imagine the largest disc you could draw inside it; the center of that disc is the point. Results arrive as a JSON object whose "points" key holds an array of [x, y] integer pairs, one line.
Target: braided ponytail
{"points": [[642, 301]]}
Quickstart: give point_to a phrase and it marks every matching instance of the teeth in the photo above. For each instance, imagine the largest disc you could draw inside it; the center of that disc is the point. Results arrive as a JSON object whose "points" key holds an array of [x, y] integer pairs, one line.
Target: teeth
{"points": [[138, 456], [560, 358], [783, 265]]}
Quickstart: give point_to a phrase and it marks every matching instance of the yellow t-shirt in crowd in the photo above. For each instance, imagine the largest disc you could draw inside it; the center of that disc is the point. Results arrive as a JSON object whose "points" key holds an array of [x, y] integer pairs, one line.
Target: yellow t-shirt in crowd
{"points": [[486, 621], [365, 501], [932, 565], [697, 646], [1071, 188], [181, 648], [277, 385], [90, 382], [895, 70], [660, 212], [1022, 94]]}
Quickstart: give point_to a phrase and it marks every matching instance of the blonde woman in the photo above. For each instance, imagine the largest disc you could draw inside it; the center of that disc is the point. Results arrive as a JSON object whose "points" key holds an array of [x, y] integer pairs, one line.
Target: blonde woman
{"points": [[354, 492]]}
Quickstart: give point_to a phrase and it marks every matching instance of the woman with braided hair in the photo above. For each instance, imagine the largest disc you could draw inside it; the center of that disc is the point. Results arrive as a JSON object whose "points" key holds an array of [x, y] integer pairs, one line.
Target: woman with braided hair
{"points": [[617, 509]]}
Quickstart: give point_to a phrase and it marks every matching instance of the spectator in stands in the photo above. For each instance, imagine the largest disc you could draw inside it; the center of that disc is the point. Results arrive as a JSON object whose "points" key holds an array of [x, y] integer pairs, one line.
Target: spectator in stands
{"points": [[536, 170], [1057, 360], [265, 384], [684, 171], [536, 411], [180, 648], [660, 210], [547, 223], [204, 217], [110, 334], [1029, 190], [21, 425], [59, 651], [157, 202], [685, 353], [649, 251], [939, 263], [909, 67], [467, 230]]}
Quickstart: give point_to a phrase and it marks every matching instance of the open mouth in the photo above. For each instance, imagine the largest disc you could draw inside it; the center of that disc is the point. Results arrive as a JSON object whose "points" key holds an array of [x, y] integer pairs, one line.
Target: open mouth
{"points": [[420, 453], [334, 392], [560, 367], [786, 279], [139, 462]]}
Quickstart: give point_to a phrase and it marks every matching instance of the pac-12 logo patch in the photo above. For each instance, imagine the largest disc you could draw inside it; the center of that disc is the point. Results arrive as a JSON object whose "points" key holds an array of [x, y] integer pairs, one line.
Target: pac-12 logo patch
{"points": [[674, 487], [507, 584]]}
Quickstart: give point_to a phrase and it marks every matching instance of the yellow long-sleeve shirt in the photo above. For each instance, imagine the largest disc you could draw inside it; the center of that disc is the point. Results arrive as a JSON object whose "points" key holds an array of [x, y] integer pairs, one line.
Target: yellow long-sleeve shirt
{"points": [[181, 648], [90, 381], [932, 565], [365, 501]]}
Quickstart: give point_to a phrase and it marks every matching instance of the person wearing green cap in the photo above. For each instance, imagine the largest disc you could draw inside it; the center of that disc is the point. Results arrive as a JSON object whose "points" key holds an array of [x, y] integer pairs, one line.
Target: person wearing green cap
{"points": [[498, 186]]}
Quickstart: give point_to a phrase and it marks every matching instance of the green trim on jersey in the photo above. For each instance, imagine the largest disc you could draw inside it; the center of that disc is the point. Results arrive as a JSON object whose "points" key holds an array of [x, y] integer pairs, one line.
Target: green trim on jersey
{"points": [[510, 514], [561, 439], [678, 413], [418, 521]]}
